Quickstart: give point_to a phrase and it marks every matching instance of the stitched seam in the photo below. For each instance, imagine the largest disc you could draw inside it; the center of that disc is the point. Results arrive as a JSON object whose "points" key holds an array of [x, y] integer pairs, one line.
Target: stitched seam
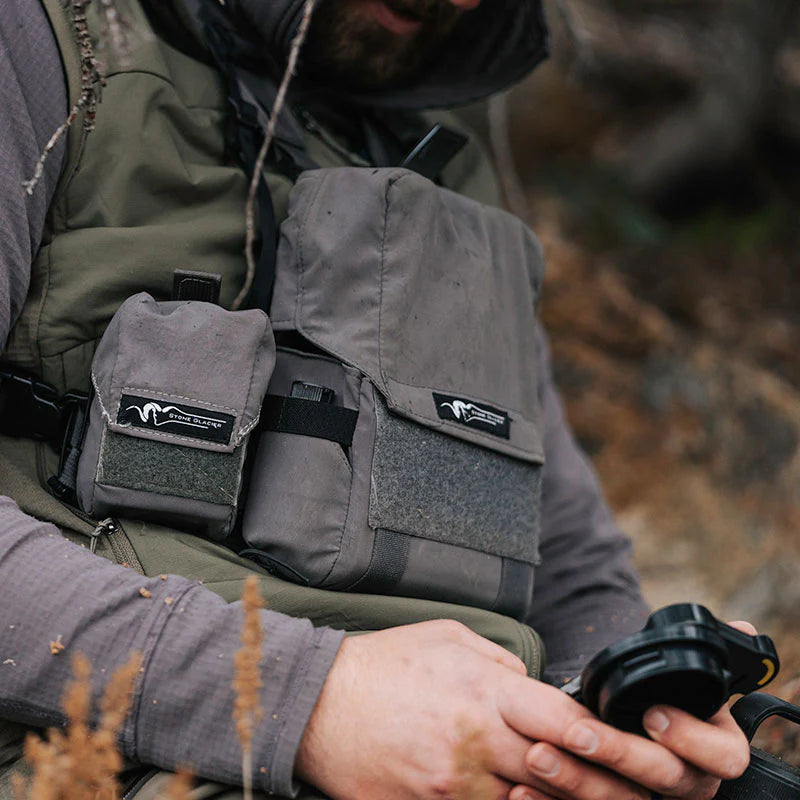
{"points": [[116, 427], [389, 186], [300, 300], [243, 431], [350, 494], [169, 396], [100, 398]]}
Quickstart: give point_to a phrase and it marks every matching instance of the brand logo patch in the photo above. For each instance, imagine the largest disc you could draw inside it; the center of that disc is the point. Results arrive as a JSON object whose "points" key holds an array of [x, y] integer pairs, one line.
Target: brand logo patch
{"points": [[158, 415], [475, 415]]}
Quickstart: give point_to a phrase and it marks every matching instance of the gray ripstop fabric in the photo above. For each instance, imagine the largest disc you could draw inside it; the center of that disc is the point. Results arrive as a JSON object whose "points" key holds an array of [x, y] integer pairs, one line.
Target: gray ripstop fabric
{"points": [[428, 484], [186, 353], [440, 296], [178, 389], [128, 462]]}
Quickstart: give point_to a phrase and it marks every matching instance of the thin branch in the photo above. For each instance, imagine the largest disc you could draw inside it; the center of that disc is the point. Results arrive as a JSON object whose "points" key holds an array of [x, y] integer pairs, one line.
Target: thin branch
{"points": [[92, 82], [30, 184], [250, 212]]}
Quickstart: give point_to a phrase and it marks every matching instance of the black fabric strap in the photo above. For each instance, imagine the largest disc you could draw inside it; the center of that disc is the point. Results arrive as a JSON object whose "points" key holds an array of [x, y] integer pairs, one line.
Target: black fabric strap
{"points": [[191, 285], [516, 582], [388, 564], [309, 418], [250, 120]]}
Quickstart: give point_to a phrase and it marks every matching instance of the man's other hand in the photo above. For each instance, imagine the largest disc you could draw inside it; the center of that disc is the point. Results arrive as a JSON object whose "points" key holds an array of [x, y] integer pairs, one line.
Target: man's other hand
{"points": [[434, 711], [686, 758]]}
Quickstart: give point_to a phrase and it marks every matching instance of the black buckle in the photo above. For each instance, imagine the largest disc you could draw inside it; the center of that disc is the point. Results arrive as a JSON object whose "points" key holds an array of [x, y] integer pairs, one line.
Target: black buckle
{"points": [[33, 409]]}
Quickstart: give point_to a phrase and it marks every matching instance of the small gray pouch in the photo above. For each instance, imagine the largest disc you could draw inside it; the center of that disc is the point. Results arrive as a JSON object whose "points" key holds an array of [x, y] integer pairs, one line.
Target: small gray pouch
{"points": [[178, 388], [411, 309]]}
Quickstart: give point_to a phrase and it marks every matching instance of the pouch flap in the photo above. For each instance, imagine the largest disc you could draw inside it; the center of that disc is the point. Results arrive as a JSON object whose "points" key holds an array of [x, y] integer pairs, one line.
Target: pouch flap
{"points": [[185, 372], [430, 294]]}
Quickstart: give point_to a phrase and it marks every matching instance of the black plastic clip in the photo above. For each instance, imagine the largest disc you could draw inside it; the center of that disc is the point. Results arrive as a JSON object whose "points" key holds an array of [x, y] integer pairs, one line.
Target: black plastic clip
{"points": [[29, 407]]}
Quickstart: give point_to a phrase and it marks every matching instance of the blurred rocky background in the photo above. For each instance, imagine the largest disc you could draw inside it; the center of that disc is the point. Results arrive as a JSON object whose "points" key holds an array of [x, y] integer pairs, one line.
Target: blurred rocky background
{"points": [[658, 157]]}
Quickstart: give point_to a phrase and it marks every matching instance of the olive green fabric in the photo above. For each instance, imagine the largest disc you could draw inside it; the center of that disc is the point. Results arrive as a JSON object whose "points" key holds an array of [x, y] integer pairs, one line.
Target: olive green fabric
{"points": [[149, 191]]}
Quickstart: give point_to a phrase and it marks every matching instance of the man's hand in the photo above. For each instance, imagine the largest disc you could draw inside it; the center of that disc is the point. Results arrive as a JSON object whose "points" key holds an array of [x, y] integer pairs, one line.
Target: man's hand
{"points": [[687, 758], [434, 711]]}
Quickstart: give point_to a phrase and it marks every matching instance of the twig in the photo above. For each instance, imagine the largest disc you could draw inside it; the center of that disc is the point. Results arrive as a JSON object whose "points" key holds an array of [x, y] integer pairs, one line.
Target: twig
{"points": [[250, 211], [92, 82], [30, 184]]}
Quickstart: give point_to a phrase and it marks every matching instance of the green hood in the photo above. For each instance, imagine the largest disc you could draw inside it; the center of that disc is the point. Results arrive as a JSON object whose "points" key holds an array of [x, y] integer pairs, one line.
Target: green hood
{"points": [[493, 46]]}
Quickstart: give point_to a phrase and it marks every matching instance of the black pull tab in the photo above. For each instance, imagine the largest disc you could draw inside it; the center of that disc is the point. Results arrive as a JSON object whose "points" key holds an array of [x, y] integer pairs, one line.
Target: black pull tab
{"points": [[752, 660], [434, 151], [189, 285]]}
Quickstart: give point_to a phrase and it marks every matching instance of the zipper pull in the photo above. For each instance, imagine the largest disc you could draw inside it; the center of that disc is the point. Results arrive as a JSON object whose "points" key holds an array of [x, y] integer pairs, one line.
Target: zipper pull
{"points": [[107, 526]]}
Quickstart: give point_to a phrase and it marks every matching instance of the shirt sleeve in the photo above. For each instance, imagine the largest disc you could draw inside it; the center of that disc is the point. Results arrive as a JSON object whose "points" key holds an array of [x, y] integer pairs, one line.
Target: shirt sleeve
{"points": [[587, 592], [33, 103], [55, 591]]}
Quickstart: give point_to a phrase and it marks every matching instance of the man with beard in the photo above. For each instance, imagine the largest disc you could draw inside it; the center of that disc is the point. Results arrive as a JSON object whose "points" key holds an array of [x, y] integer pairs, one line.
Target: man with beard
{"points": [[419, 710]]}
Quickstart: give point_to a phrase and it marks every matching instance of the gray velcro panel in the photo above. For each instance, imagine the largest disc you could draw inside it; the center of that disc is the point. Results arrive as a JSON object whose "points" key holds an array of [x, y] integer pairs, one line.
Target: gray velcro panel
{"points": [[149, 466], [430, 485]]}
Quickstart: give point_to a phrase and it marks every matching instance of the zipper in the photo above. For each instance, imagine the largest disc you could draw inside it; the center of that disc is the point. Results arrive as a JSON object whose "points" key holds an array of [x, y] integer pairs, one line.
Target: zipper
{"points": [[121, 547], [112, 529], [138, 782], [108, 526]]}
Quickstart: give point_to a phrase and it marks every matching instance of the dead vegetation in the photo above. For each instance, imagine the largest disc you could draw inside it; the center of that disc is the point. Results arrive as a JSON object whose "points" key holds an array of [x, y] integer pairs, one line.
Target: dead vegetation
{"points": [[83, 761], [671, 294]]}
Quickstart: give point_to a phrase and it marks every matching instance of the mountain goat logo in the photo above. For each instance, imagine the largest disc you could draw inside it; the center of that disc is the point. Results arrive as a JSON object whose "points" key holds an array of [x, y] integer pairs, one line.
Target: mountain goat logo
{"points": [[153, 409], [460, 409], [469, 412]]}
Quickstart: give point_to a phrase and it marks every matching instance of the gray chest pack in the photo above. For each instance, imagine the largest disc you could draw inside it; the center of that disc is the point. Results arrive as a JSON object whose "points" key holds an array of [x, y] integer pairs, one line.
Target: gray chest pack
{"points": [[379, 432]]}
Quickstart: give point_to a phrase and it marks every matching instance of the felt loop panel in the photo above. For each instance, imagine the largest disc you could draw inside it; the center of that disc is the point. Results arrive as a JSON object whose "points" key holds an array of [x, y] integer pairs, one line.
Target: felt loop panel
{"points": [[430, 485]]}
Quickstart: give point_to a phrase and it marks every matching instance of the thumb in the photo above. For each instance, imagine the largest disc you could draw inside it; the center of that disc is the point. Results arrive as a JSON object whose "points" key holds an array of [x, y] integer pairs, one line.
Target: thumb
{"points": [[744, 627]]}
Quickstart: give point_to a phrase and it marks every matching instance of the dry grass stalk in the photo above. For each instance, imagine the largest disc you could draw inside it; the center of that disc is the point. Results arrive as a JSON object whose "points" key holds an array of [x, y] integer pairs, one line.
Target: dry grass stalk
{"points": [[81, 764], [19, 787], [256, 177], [180, 785], [247, 681]]}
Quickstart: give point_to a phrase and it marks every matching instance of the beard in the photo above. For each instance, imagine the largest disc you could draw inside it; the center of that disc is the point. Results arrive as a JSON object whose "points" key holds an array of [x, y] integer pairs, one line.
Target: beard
{"points": [[348, 48]]}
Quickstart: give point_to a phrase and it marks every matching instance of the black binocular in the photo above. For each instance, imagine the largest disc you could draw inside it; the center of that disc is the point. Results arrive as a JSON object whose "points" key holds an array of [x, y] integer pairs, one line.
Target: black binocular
{"points": [[686, 658]]}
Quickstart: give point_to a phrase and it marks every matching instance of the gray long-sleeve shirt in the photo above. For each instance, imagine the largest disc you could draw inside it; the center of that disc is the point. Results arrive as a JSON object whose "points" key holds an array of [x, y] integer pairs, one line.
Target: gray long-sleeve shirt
{"points": [[586, 590]]}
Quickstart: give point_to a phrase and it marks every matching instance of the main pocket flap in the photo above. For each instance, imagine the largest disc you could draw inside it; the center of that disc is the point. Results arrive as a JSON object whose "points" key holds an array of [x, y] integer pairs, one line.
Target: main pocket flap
{"points": [[430, 294], [185, 372]]}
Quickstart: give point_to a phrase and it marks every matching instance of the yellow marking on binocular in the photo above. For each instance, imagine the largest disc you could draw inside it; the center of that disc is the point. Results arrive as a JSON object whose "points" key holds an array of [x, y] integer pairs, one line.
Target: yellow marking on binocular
{"points": [[770, 667]]}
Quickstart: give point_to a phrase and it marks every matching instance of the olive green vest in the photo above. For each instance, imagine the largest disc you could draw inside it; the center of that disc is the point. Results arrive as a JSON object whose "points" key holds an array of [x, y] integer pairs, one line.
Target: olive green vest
{"points": [[149, 191]]}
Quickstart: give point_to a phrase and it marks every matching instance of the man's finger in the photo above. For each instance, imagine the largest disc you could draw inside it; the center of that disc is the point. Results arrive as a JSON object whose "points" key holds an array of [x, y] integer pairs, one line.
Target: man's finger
{"points": [[564, 775], [538, 711], [529, 793], [717, 747], [641, 761]]}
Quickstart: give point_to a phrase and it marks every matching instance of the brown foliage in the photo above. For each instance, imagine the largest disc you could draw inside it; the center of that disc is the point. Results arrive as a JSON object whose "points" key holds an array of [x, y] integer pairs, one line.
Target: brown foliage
{"points": [[81, 763], [247, 677]]}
